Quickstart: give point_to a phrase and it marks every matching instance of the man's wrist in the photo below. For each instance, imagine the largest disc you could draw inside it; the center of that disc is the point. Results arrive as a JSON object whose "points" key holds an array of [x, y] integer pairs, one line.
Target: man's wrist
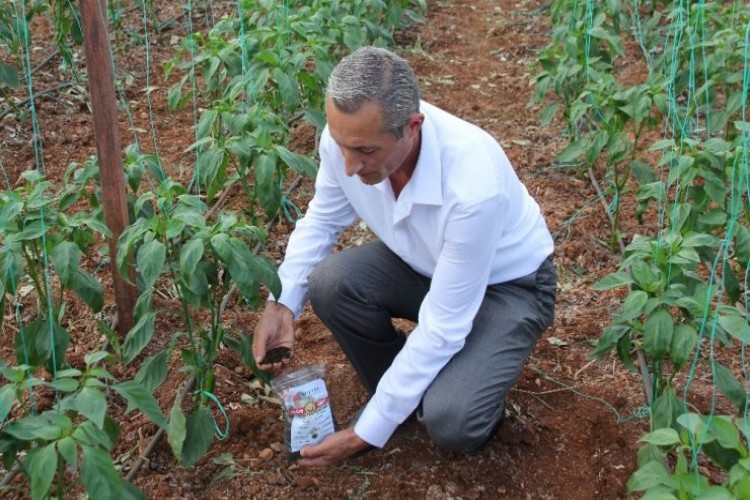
{"points": [[282, 309]]}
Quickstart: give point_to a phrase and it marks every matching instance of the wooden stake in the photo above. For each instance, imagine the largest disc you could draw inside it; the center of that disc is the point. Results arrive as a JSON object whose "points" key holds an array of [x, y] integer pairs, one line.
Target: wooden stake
{"points": [[108, 149]]}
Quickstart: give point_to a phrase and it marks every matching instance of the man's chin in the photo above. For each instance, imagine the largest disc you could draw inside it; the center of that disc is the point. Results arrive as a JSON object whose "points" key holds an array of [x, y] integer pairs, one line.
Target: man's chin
{"points": [[370, 180]]}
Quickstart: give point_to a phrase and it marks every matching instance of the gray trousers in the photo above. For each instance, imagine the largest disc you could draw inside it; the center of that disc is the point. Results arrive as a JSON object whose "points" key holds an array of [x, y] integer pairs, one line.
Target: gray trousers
{"points": [[358, 291]]}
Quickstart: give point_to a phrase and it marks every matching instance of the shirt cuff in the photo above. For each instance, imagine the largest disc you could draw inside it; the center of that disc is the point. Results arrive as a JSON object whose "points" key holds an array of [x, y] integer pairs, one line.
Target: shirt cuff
{"points": [[373, 427], [293, 302]]}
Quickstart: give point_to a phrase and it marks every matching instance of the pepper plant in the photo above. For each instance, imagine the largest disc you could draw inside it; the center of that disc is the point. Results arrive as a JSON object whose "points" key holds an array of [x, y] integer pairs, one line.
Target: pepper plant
{"points": [[180, 247], [76, 433], [40, 234], [261, 71], [45, 233], [686, 292]]}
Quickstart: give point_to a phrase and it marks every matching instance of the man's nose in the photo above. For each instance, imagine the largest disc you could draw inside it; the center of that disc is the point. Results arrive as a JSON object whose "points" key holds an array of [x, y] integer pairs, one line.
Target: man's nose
{"points": [[352, 163]]}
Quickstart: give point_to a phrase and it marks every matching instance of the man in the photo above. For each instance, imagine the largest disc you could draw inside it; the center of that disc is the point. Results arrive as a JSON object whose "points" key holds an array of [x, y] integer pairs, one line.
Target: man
{"points": [[462, 250]]}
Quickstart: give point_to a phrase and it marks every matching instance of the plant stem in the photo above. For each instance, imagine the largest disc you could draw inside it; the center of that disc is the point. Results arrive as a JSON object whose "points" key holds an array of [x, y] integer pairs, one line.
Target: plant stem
{"points": [[32, 270], [602, 199], [154, 440]]}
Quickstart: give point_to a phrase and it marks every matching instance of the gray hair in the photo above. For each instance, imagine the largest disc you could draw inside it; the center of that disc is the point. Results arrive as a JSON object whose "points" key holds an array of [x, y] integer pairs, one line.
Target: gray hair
{"points": [[375, 75]]}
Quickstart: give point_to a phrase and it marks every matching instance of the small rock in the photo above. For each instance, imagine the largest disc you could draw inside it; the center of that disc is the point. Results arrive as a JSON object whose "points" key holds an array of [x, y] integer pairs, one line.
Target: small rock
{"points": [[277, 447], [238, 369], [266, 454], [305, 482]]}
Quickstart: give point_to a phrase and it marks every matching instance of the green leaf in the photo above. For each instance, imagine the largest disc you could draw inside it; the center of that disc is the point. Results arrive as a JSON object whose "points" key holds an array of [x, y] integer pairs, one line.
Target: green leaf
{"points": [[9, 76], [301, 164], [7, 398], [679, 216], [66, 257], [48, 426], [99, 475], [662, 437], [33, 347], [199, 434], [41, 464], [208, 170], [662, 144], [736, 326], [11, 269], [731, 284], [66, 447], [693, 239], [86, 433], [95, 357], [64, 384], [33, 231], [642, 172], [314, 117], [176, 430], [288, 88], [726, 433], [742, 245], [684, 340], [657, 334], [613, 280], [150, 260], [112, 337], [666, 408], [574, 151], [650, 475], [265, 184], [634, 305], [138, 396], [190, 254], [139, 336], [153, 371], [92, 404], [206, 123], [89, 290], [549, 113], [730, 386], [131, 492], [610, 337]]}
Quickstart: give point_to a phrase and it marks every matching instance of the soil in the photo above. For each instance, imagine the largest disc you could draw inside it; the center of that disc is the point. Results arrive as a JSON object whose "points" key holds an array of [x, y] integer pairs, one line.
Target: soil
{"points": [[572, 422]]}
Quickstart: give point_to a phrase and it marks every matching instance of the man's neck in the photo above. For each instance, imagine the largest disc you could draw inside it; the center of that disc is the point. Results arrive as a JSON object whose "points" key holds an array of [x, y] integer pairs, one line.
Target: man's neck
{"points": [[401, 177]]}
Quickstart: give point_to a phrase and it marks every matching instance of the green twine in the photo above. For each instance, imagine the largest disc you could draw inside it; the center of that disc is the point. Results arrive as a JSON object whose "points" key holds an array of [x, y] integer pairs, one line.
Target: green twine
{"points": [[39, 162], [642, 412], [287, 204], [220, 434]]}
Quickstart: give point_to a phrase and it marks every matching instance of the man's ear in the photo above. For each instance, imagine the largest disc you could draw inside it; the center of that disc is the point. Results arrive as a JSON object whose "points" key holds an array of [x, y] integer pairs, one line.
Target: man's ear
{"points": [[415, 122]]}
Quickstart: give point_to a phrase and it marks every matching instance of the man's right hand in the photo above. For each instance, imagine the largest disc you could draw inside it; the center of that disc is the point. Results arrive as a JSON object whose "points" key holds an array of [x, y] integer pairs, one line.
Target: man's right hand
{"points": [[275, 329]]}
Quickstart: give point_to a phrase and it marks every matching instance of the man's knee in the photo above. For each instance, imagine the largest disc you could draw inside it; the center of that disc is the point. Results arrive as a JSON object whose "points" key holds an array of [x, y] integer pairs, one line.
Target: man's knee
{"points": [[319, 283], [330, 281], [454, 427]]}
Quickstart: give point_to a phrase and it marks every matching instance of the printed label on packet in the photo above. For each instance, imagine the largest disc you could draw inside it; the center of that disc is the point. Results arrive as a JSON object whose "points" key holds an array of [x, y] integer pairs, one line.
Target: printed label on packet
{"points": [[309, 407]]}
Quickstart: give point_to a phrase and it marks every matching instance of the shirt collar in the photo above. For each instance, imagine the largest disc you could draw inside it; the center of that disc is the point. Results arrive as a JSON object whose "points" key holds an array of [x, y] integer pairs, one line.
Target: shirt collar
{"points": [[426, 184]]}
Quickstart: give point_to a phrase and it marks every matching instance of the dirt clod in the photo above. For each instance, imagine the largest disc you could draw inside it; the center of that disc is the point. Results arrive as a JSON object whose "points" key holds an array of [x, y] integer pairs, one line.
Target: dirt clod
{"points": [[304, 482], [276, 355]]}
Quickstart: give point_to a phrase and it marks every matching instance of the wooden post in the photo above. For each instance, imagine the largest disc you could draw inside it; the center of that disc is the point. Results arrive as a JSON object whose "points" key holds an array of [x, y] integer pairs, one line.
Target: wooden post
{"points": [[108, 149]]}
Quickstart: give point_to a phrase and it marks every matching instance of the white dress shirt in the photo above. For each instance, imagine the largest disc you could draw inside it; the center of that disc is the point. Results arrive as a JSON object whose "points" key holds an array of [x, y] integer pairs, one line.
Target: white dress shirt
{"points": [[464, 219]]}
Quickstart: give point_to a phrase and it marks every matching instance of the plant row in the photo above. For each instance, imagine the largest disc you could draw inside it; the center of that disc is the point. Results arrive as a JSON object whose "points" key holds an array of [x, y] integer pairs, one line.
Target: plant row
{"points": [[254, 74], [677, 139]]}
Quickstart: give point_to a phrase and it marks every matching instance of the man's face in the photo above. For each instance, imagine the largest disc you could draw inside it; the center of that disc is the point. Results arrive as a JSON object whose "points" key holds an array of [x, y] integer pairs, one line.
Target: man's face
{"points": [[368, 151]]}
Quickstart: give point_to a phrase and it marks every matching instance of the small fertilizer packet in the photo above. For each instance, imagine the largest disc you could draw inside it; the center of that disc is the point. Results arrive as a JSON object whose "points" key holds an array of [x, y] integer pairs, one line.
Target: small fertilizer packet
{"points": [[308, 418]]}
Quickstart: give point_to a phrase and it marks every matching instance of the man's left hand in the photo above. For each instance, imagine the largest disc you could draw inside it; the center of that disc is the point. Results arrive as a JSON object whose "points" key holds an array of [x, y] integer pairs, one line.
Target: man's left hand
{"points": [[336, 447]]}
